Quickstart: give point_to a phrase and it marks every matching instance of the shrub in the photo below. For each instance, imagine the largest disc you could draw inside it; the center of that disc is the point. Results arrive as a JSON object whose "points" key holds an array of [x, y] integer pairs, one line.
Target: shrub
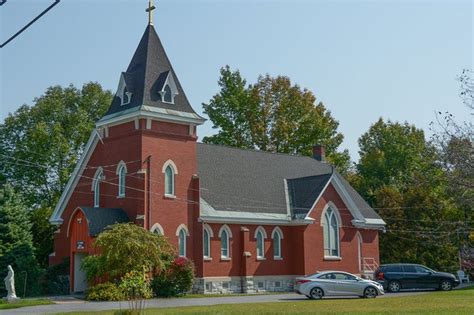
{"points": [[56, 279], [136, 288], [175, 280], [104, 292]]}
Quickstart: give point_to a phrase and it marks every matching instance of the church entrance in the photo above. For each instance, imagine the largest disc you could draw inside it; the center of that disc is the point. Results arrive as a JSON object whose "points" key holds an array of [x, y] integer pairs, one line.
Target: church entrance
{"points": [[80, 280]]}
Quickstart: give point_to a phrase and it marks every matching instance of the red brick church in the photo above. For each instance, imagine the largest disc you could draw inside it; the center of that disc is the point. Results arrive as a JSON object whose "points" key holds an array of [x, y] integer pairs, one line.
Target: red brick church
{"points": [[250, 220]]}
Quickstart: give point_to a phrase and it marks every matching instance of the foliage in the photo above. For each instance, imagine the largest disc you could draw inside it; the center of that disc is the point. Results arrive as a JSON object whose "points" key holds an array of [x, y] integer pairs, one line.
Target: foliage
{"points": [[16, 247], [398, 175], [104, 292], [40, 145], [122, 248], [455, 145], [177, 279], [56, 279], [43, 232], [136, 288], [272, 115]]}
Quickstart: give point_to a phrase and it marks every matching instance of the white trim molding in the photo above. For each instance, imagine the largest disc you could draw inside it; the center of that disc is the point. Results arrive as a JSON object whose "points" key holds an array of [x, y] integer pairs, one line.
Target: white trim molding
{"points": [[277, 229], [169, 163], [74, 179], [182, 227], [260, 229], [227, 229], [157, 227], [209, 229]]}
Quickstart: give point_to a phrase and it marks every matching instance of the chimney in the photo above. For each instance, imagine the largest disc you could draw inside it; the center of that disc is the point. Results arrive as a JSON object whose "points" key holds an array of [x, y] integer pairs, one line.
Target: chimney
{"points": [[319, 153]]}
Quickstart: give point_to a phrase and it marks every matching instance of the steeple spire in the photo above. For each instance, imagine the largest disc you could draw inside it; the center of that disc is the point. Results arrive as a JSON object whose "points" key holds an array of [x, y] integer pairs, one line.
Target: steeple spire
{"points": [[150, 9]]}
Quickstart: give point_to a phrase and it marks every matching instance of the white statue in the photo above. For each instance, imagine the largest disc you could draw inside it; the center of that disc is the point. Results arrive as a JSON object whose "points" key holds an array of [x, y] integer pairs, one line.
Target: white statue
{"points": [[10, 285]]}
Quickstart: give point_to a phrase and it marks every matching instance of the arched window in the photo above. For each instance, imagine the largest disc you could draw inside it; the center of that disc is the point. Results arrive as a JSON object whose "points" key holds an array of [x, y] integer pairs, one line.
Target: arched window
{"points": [[260, 236], [277, 236], [121, 173], [206, 235], [182, 243], [167, 94], [225, 234], [224, 244], [331, 233], [170, 171], [181, 233], [206, 242], [96, 186], [125, 97], [157, 229]]}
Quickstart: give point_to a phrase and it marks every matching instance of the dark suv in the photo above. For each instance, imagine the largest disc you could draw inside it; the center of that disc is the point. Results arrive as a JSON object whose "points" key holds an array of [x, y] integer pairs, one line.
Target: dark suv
{"points": [[395, 277]]}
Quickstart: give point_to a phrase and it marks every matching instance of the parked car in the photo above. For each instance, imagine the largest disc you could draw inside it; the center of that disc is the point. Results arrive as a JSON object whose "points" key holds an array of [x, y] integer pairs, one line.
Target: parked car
{"points": [[336, 283], [395, 277]]}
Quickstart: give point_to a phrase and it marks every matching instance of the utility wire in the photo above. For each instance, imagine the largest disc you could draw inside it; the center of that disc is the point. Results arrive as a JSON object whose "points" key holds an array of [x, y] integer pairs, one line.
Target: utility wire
{"points": [[30, 23]]}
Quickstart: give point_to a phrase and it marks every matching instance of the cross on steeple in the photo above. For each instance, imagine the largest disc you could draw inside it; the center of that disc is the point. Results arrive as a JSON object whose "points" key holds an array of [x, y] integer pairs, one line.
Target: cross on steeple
{"points": [[150, 9]]}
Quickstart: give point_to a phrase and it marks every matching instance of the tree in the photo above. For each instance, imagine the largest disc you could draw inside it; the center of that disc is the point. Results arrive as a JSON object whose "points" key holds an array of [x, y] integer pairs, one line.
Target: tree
{"points": [[16, 246], [272, 115], [122, 250], [40, 145], [398, 174], [455, 144]]}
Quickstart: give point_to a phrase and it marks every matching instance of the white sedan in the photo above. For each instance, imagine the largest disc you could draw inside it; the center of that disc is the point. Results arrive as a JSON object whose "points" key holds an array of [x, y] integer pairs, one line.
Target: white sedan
{"points": [[337, 283]]}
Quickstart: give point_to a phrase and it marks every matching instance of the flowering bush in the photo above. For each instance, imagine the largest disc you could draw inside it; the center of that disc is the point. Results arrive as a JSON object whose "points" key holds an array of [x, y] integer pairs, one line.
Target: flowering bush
{"points": [[177, 279]]}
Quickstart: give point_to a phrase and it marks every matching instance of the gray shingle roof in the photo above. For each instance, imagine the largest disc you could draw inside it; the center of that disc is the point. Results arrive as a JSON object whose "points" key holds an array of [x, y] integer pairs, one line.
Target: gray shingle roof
{"points": [[99, 218], [235, 179], [302, 192], [148, 64]]}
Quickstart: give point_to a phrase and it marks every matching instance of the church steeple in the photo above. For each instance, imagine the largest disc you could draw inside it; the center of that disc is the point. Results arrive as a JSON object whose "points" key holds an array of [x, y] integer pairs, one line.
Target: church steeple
{"points": [[151, 85]]}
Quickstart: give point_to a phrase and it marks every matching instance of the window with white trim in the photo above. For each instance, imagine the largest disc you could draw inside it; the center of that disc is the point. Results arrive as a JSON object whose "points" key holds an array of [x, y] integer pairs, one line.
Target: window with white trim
{"points": [[96, 187], [276, 244], [206, 243], [167, 97], [169, 181], [182, 243], [260, 245], [224, 244], [331, 233], [122, 173]]}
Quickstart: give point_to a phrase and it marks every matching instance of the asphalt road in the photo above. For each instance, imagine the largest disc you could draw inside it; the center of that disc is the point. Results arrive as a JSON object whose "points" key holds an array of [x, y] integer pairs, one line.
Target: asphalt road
{"points": [[71, 304]]}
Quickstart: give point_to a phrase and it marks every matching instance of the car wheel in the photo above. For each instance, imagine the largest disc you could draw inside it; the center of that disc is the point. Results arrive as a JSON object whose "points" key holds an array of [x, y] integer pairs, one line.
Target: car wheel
{"points": [[316, 294], [370, 292], [394, 286], [446, 285]]}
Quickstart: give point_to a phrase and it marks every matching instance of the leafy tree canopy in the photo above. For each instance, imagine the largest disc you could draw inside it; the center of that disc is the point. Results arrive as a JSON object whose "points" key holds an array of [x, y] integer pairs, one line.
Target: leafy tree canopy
{"points": [[40, 144], [272, 115], [399, 175]]}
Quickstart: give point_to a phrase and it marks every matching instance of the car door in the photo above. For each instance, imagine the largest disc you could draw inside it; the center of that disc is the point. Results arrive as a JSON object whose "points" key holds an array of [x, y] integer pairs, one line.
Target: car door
{"points": [[410, 279], [426, 278], [345, 284], [327, 283]]}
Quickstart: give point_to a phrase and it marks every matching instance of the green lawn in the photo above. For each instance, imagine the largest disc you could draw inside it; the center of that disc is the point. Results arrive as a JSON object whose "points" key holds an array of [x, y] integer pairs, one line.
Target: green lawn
{"points": [[454, 302], [22, 303]]}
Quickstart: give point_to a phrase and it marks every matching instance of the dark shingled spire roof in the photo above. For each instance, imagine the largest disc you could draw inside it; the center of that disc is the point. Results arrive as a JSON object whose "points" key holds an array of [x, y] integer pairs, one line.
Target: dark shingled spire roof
{"points": [[148, 69]]}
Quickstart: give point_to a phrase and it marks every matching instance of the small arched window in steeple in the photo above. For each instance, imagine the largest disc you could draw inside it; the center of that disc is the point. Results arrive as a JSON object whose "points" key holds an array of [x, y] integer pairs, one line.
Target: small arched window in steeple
{"points": [[126, 96], [167, 94]]}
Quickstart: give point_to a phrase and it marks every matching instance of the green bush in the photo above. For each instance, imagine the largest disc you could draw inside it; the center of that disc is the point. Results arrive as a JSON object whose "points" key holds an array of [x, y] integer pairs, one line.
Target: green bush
{"points": [[175, 280], [56, 279], [104, 292]]}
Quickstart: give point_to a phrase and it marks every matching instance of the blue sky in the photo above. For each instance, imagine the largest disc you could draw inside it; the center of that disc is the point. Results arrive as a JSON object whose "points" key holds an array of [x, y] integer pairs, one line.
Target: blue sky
{"points": [[363, 59]]}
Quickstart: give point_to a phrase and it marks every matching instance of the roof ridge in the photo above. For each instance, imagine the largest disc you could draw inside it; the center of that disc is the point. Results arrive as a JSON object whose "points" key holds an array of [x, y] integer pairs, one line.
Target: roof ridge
{"points": [[263, 151]]}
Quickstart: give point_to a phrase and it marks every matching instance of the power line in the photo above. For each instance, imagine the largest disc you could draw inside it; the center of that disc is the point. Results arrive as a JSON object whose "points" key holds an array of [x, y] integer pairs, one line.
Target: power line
{"points": [[30, 23]]}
